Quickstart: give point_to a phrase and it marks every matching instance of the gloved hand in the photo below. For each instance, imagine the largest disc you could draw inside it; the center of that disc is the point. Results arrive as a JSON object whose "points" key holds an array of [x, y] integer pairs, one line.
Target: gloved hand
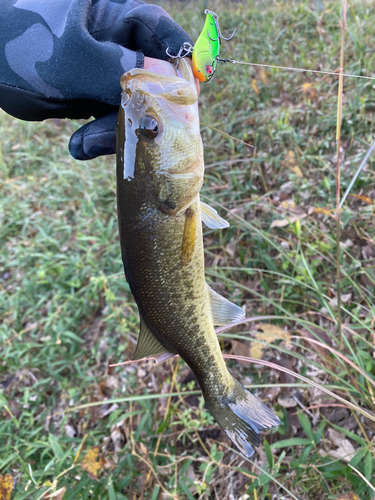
{"points": [[65, 60]]}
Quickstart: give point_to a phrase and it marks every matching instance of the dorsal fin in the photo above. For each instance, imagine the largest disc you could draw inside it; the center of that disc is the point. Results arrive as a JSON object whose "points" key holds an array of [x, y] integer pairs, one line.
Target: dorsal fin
{"points": [[223, 311], [211, 218], [149, 346]]}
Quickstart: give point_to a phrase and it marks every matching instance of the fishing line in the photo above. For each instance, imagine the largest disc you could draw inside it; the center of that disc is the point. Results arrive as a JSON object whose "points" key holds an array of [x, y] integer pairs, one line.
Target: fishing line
{"points": [[301, 70], [364, 161]]}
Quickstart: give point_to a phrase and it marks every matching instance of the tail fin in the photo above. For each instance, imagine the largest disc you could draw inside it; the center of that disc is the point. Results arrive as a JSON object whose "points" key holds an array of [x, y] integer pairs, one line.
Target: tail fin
{"points": [[242, 415]]}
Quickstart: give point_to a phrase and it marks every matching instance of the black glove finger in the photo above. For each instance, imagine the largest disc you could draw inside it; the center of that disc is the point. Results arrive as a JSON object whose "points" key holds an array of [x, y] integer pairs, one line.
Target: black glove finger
{"points": [[94, 139], [147, 28]]}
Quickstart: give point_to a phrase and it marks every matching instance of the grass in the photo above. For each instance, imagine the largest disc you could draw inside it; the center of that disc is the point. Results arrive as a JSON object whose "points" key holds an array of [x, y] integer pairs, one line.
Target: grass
{"points": [[67, 313]]}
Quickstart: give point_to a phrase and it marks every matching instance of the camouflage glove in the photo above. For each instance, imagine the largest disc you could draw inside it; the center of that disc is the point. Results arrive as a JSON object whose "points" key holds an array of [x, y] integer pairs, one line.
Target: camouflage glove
{"points": [[64, 59]]}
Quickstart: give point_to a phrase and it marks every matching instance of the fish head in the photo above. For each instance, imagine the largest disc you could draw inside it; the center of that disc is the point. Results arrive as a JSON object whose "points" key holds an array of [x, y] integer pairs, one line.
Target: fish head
{"points": [[159, 140]]}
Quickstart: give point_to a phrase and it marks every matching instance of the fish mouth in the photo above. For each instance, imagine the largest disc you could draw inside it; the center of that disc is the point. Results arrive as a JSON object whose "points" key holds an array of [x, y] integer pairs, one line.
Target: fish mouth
{"points": [[179, 89]]}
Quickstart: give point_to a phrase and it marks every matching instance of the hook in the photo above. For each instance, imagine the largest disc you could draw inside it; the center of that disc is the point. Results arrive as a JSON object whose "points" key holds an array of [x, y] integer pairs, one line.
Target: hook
{"points": [[185, 49], [230, 38], [216, 19]]}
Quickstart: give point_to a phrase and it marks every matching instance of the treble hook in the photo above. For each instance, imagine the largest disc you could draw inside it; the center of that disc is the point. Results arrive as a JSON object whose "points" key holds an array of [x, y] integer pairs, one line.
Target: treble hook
{"points": [[219, 34], [185, 49]]}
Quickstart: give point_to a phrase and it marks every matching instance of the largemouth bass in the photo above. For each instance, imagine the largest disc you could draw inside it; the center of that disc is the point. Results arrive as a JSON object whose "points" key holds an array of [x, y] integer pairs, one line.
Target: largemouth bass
{"points": [[159, 175]]}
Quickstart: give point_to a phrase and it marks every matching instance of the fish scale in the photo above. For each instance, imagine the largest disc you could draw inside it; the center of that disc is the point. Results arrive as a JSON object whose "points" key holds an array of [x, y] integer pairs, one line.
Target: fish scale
{"points": [[162, 244]]}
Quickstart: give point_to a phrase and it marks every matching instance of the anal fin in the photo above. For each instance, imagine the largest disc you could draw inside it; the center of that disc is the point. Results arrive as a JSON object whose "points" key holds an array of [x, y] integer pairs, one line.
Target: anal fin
{"points": [[223, 311], [149, 346], [211, 218]]}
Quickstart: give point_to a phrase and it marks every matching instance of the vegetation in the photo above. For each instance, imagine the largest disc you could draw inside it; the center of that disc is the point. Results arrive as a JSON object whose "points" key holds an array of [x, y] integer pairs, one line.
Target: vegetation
{"points": [[74, 427]]}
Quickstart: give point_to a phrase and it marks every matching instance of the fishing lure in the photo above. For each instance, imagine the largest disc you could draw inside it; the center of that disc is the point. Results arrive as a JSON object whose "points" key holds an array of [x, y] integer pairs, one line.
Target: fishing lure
{"points": [[205, 53]]}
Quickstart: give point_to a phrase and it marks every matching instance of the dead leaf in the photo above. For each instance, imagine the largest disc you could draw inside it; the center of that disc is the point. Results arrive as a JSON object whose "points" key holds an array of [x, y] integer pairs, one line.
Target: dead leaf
{"points": [[335, 436], [306, 87], [346, 244], [291, 163], [344, 451], [348, 496], [90, 464], [57, 495], [310, 91], [143, 449], [241, 349], [254, 86], [262, 75], [325, 211], [285, 222], [231, 249], [286, 401], [6, 486], [345, 297], [368, 252], [118, 438], [362, 197], [268, 333], [293, 213], [290, 206], [285, 377]]}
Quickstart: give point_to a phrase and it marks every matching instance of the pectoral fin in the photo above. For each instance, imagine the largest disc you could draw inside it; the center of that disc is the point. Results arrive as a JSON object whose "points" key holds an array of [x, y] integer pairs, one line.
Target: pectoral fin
{"points": [[224, 312], [211, 218], [149, 346]]}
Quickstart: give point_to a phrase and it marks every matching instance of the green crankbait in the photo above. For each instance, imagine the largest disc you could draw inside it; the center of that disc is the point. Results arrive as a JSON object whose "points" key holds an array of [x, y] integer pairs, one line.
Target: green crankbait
{"points": [[205, 53], [207, 48]]}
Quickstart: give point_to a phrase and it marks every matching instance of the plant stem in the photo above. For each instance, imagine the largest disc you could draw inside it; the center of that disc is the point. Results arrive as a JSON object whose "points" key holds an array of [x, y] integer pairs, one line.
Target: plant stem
{"points": [[338, 146]]}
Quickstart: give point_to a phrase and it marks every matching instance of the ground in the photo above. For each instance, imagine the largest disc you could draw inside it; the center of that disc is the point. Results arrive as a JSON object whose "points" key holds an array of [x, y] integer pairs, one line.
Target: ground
{"points": [[74, 427]]}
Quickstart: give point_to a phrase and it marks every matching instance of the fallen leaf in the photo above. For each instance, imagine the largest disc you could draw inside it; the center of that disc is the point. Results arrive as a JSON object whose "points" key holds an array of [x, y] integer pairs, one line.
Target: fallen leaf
{"points": [[231, 249], [368, 252], [285, 222], [285, 377], [293, 208], [344, 451], [293, 213], [90, 464], [57, 495], [288, 204], [286, 401], [306, 87], [335, 436], [291, 163], [348, 496], [346, 244], [310, 91], [190, 473], [262, 75], [362, 197], [268, 333], [325, 211], [345, 297], [241, 349], [254, 86], [6, 486], [118, 439]]}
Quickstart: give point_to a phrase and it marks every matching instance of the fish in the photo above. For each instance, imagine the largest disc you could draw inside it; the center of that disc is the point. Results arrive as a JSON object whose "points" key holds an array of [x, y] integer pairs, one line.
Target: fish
{"points": [[159, 174]]}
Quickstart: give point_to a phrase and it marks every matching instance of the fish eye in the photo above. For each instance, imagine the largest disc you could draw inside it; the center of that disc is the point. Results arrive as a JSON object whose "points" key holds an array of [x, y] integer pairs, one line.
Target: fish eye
{"points": [[149, 126], [209, 69]]}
